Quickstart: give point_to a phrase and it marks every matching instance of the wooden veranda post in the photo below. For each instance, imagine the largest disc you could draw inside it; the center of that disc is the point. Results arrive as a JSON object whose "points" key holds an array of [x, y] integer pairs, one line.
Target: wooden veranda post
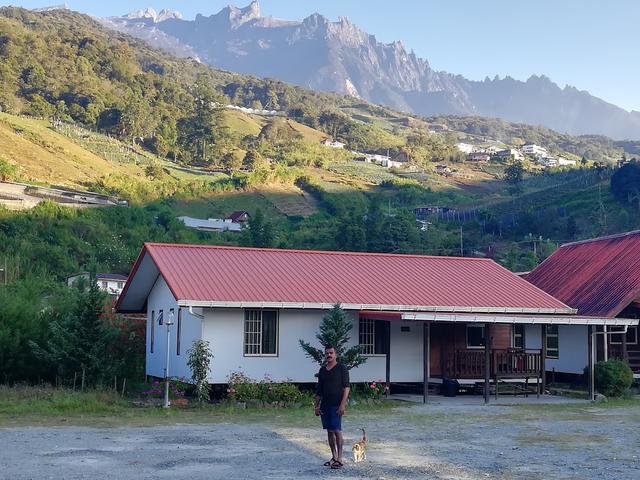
{"points": [[487, 360], [543, 359], [625, 353]]}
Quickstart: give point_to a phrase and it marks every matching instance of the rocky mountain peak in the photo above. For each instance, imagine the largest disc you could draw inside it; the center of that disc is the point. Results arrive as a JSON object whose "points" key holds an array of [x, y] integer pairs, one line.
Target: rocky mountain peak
{"points": [[150, 14], [239, 16]]}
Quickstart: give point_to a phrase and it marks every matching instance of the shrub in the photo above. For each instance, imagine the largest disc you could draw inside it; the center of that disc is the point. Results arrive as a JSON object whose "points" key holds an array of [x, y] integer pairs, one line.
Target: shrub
{"points": [[176, 389], [242, 388], [199, 361], [613, 377], [375, 390]]}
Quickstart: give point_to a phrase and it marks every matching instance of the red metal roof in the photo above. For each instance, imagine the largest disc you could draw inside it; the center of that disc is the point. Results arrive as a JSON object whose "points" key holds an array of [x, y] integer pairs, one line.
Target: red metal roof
{"points": [[234, 274], [599, 277]]}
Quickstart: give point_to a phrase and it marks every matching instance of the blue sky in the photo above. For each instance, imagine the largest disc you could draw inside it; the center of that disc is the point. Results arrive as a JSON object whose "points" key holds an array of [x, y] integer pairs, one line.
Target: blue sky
{"points": [[589, 44]]}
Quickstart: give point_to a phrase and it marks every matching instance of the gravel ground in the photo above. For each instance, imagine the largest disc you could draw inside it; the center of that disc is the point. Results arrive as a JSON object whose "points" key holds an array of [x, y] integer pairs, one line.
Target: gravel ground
{"points": [[438, 441]]}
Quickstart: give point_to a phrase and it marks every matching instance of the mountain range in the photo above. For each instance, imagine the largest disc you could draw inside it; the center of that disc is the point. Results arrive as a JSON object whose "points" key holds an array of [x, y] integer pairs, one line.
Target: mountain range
{"points": [[339, 57]]}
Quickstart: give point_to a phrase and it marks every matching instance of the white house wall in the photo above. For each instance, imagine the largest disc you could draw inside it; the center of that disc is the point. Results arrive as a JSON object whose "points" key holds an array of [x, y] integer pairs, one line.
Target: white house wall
{"points": [[572, 347], [224, 329], [161, 298]]}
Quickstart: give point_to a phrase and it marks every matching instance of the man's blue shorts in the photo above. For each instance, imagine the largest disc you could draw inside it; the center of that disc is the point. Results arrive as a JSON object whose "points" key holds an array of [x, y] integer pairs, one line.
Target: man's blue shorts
{"points": [[331, 421]]}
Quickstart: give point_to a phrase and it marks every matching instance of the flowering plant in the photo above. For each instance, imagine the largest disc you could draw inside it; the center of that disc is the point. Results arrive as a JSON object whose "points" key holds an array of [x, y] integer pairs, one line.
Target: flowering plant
{"points": [[375, 389], [176, 389]]}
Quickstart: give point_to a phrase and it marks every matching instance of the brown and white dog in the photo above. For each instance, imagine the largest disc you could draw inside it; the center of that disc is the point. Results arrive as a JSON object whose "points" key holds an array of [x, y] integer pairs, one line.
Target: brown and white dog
{"points": [[360, 449]]}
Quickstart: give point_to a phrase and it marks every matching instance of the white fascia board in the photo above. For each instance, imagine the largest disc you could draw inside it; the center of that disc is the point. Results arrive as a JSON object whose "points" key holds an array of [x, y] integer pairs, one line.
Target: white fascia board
{"points": [[373, 307], [524, 319]]}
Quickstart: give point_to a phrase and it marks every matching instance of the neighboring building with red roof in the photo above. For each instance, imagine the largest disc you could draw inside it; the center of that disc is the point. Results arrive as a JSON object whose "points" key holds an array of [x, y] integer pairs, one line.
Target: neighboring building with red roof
{"points": [[599, 277], [239, 216], [253, 305]]}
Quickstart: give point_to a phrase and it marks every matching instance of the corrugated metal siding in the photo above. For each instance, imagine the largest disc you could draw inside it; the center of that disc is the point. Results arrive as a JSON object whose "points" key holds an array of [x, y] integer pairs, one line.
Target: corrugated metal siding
{"points": [[207, 273], [598, 277]]}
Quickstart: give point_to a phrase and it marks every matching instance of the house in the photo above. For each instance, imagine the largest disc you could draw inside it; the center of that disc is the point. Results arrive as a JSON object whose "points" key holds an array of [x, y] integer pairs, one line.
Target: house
{"points": [[547, 161], [418, 319], [329, 142], [239, 216], [438, 128], [563, 162], [442, 169], [509, 153], [478, 157], [465, 147], [533, 150], [600, 278], [111, 283], [211, 224]]}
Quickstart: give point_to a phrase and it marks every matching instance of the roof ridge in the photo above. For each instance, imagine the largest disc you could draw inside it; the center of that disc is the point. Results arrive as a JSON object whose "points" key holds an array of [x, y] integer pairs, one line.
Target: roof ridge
{"points": [[597, 239], [315, 252]]}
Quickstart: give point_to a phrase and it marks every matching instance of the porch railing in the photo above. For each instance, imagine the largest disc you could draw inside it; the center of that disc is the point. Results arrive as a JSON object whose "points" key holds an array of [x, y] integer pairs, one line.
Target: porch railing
{"points": [[508, 363]]}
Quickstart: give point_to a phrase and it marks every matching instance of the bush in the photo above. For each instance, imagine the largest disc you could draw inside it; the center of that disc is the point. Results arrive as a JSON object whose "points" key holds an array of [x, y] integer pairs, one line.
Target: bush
{"points": [[613, 378], [176, 389], [242, 388], [375, 390]]}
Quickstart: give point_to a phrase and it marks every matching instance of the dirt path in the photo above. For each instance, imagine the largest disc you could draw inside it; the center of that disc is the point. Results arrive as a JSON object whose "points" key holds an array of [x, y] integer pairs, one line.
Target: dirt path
{"points": [[433, 442]]}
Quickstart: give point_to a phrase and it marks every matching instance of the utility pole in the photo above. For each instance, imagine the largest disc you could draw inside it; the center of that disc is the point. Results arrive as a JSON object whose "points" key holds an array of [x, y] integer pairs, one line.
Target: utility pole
{"points": [[169, 322], [461, 243]]}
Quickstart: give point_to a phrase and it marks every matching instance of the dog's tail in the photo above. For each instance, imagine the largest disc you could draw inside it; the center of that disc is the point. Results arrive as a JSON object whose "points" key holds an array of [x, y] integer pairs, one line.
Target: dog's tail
{"points": [[364, 435]]}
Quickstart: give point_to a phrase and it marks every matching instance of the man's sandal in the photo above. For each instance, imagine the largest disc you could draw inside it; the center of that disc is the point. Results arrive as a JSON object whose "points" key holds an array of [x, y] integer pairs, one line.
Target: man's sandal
{"points": [[329, 463], [336, 464]]}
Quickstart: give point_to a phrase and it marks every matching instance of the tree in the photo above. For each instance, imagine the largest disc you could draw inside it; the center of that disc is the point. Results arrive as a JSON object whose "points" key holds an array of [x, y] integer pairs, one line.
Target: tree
{"points": [[260, 232], [254, 161], [198, 362], [625, 184], [513, 175], [334, 331], [80, 340], [231, 162]]}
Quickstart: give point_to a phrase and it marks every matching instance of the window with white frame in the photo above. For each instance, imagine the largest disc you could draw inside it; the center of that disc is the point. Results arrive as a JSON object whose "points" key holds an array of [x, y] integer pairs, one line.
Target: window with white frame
{"points": [[475, 335], [373, 336], [261, 332], [632, 335], [553, 343]]}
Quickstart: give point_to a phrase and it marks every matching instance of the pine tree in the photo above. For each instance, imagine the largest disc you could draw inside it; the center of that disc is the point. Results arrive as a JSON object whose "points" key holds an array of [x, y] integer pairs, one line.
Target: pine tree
{"points": [[334, 330]]}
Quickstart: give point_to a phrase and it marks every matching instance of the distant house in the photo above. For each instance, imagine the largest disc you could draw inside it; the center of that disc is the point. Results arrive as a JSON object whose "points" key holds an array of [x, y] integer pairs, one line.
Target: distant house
{"points": [[211, 224], [534, 150], [438, 128], [442, 169], [547, 161], [478, 157], [111, 283], [329, 142], [239, 216], [509, 153], [465, 147], [566, 162], [423, 212]]}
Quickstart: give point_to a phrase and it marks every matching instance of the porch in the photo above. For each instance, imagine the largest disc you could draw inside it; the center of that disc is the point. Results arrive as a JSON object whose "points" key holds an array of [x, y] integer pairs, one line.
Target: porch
{"points": [[485, 350]]}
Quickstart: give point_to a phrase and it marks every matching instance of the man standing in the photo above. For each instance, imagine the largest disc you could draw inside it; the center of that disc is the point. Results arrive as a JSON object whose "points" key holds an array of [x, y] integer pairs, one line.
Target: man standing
{"points": [[331, 400]]}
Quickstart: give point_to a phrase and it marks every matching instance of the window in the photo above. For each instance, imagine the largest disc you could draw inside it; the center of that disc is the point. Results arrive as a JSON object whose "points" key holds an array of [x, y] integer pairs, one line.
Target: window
{"points": [[120, 285], [160, 317], [518, 336], [260, 332], [553, 345], [475, 336], [178, 330], [105, 285], [374, 336], [152, 333], [632, 335]]}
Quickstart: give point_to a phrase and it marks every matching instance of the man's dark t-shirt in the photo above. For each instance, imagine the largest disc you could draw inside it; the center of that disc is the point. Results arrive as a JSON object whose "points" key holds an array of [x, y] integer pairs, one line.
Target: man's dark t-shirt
{"points": [[331, 383]]}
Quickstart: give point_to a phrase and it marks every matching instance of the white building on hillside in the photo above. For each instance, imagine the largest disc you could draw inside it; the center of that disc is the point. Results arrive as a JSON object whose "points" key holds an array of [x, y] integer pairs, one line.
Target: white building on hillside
{"points": [[534, 150], [211, 224], [329, 142], [111, 283]]}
